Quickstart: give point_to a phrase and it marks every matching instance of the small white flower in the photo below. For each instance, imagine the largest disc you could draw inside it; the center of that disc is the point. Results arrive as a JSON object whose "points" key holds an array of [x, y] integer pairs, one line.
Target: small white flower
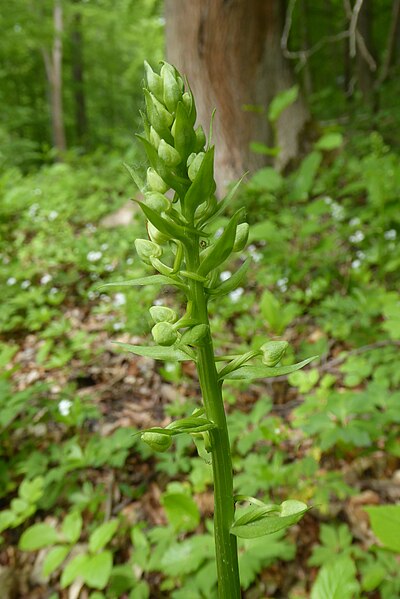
{"points": [[225, 275], [129, 261], [357, 237], [158, 302], [119, 299], [337, 211], [236, 294], [91, 227], [360, 255], [11, 281], [356, 264], [33, 209], [390, 235], [169, 367], [25, 284], [45, 279], [64, 407], [282, 284], [109, 267], [117, 326], [104, 246], [52, 215], [354, 222], [53, 290], [94, 256], [257, 256], [328, 201]]}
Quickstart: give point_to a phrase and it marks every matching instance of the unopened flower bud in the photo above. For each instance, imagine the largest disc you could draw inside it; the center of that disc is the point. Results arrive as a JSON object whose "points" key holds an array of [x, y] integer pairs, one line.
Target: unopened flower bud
{"points": [[157, 441], [273, 352], [241, 237], [187, 100], [155, 182], [172, 91], [154, 138], [195, 165], [200, 138], [157, 114], [190, 159], [156, 235], [154, 82], [164, 333], [167, 153], [157, 201], [147, 249], [163, 314]]}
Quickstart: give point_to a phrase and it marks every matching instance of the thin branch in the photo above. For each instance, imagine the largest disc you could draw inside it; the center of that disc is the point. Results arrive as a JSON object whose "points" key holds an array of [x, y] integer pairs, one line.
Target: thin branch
{"points": [[353, 26]]}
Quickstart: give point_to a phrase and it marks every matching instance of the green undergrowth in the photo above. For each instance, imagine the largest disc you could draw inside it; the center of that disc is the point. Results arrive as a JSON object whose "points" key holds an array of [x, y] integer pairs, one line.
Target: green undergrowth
{"points": [[324, 276]]}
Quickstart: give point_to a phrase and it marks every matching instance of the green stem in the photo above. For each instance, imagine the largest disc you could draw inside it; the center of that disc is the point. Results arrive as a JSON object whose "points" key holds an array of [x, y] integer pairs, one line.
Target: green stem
{"points": [[225, 542]]}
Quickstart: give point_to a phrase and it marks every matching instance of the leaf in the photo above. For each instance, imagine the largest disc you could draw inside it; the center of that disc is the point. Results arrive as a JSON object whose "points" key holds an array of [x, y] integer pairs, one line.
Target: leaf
{"points": [[72, 527], [385, 523], [257, 554], [98, 570], [54, 558], [232, 283], [267, 179], [282, 101], [222, 248], [167, 227], [329, 141], [151, 280], [305, 176], [186, 556], [102, 535], [203, 185], [264, 372], [181, 510], [336, 580], [76, 567], [157, 352], [262, 521], [38, 536]]}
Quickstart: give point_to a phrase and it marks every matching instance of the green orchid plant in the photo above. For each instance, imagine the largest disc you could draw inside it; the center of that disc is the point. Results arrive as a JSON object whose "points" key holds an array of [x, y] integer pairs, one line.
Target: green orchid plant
{"points": [[187, 256]]}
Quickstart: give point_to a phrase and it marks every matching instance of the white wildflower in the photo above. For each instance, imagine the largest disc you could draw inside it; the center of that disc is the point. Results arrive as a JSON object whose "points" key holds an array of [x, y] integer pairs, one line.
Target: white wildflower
{"points": [[236, 294], [354, 222], [357, 237], [11, 281], [52, 215], [45, 279], [225, 275], [119, 299], [390, 235], [25, 284], [356, 264], [64, 407], [94, 256]]}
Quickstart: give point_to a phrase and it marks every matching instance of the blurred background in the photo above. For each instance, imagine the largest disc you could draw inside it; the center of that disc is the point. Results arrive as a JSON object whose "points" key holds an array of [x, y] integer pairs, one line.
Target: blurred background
{"points": [[306, 98]]}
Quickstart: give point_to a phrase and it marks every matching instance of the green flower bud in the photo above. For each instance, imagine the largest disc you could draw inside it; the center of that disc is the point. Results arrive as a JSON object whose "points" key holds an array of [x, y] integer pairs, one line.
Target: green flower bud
{"points": [[157, 114], [187, 100], [147, 249], [172, 91], [157, 201], [155, 182], [154, 82], [190, 159], [164, 333], [167, 153], [195, 165], [163, 314], [200, 138], [273, 352], [241, 237], [154, 138], [156, 235], [157, 441]]}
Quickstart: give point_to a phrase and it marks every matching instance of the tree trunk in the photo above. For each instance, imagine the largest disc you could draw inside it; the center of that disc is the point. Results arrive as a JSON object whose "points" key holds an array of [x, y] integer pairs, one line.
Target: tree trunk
{"points": [[53, 64], [230, 52], [365, 75], [78, 78]]}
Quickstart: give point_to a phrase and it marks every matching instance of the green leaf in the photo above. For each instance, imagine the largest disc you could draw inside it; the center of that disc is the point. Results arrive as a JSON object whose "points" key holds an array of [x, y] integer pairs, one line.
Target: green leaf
{"points": [[102, 535], [72, 527], [75, 567], [385, 523], [267, 179], [232, 283], [282, 101], [54, 558], [157, 352], [222, 248], [264, 372], [38, 536], [303, 179], [329, 141], [262, 521], [166, 227], [151, 280], [181, 510], [98, 570], [336, 580], [203, 185]]}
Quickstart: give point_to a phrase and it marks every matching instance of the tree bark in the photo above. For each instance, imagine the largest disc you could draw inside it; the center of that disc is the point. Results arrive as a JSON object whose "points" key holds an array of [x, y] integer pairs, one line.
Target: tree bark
{"points": [[365, 74], [230, 52], [53, 65], [78, 77]]}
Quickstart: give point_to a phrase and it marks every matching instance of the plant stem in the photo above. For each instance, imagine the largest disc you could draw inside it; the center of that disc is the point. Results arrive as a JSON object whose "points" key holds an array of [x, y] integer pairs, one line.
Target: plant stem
{"points": [[211, 388]]}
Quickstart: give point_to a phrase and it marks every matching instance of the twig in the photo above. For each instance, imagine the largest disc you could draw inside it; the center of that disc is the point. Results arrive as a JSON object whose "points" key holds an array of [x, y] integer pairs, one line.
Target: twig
{"points": [[353, 26]]}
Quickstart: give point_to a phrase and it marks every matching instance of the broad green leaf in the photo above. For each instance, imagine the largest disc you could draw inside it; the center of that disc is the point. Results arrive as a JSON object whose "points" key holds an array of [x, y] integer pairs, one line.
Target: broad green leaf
{"points": [[55, 558], [267, 179], [7, 519], [262, 521], [38, 536], [181, 510], [72, 527], [303, 179], [282, 101], [32, 490], [75, 568], [265, 372], [98, 570], [141, 591], [336, 580], [157, 352], [186, 556], [102, 535], [150, 280], [329, 141], [385, 523]]}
